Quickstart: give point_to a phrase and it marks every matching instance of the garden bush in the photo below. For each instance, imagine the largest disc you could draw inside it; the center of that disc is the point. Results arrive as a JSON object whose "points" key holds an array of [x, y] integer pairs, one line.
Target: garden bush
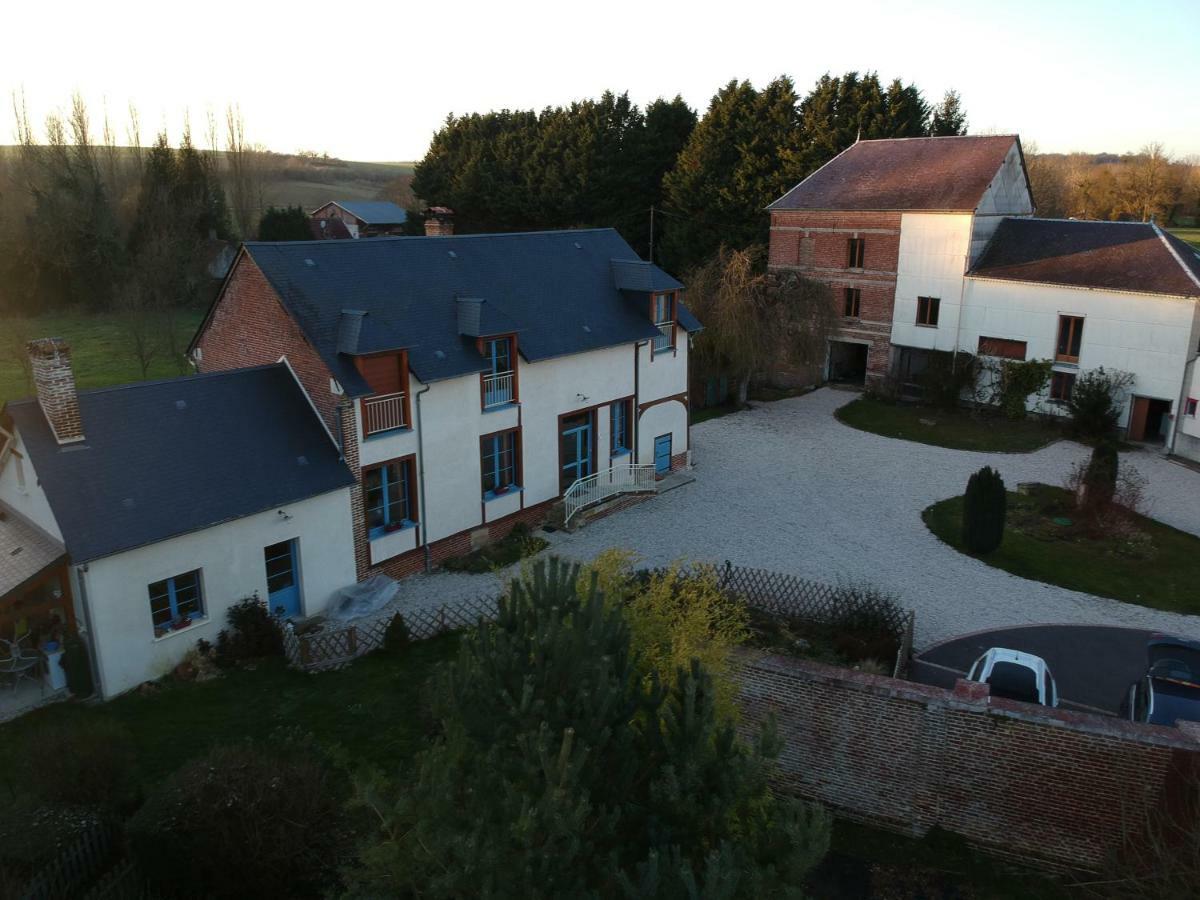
{"points": [[1020, 380], [253, 633], [396, 636], [984, 509], [76, 665], [78, 761], [1100, 477], [947, 377], [1096, 402], [865, 624], [248, 820], [517, 545]]}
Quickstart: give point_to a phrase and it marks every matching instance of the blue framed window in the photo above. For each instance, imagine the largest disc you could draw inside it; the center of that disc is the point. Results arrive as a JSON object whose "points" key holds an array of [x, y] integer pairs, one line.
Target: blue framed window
{"points": [[176, 599], [389, 498], [499, 353], [498, 462], [619, 413]]}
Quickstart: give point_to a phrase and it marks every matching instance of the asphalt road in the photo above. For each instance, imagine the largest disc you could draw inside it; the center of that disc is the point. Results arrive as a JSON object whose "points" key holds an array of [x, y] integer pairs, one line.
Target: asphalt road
{"points": [[1094, 665]]}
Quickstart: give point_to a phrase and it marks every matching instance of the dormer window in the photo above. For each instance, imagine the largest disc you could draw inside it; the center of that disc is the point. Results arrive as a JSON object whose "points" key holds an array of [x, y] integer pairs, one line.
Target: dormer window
{"points": [[387, 408], [498, 385], [663, 315]]}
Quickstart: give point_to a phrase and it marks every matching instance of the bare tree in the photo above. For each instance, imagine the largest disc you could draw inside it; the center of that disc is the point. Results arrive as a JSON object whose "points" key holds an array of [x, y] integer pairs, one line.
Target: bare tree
{"points": [[246, 166], [756, 320], [1148, 188]]}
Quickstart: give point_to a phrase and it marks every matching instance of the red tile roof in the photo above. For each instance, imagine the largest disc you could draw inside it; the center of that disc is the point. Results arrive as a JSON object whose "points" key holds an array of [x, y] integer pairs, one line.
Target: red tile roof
{"points": [[1123, 256], [941, 173]]}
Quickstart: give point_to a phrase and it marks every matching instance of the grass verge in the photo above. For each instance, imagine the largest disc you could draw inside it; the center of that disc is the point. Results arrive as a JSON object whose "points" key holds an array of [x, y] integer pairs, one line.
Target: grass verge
{"points": [[371, 708], [957, 429], [1151, 564], [100, 351]]}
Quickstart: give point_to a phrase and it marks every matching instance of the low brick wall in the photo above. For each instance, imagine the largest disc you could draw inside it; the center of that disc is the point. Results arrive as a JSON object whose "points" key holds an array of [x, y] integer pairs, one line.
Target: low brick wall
{"points": [[1015, 780]]}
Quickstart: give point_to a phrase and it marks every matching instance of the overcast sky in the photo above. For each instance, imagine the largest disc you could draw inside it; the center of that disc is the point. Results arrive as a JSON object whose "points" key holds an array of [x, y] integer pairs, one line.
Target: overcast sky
{"points": [[371, 81]]}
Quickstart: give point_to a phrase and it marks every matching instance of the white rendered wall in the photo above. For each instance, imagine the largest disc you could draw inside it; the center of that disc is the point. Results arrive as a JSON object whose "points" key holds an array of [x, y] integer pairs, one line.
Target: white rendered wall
{"points": [[1146, 335], [28, 499], [230, 559], [452, 423], [932, 262]]}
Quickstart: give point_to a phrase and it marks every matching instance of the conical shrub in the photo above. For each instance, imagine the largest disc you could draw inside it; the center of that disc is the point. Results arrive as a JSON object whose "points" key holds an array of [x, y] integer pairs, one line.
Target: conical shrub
{"points": [[984, 509], [1100, 478]]}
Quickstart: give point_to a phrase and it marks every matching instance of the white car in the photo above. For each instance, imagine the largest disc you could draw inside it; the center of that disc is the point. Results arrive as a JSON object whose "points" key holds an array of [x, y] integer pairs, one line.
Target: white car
{"points": [[1016, 676]]}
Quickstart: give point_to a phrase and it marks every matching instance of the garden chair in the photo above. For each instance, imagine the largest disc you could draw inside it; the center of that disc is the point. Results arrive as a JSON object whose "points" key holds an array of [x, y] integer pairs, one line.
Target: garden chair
{"points": [[17, 663]]}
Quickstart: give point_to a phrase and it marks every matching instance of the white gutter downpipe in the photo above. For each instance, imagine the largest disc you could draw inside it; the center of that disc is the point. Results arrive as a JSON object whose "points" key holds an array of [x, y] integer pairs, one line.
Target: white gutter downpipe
{"points": [[421, 482]]}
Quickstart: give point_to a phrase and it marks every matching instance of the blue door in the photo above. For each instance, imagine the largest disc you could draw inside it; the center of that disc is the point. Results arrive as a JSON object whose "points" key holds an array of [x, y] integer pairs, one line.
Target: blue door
{"points": [[662, 454], [575, 449], [283, 579]]}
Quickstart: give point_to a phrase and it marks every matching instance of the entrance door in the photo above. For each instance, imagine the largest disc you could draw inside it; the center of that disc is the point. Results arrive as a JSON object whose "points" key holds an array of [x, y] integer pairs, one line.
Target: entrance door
{"points": [[662, 454], [283, 579], [1137, 419], [575, 449]]}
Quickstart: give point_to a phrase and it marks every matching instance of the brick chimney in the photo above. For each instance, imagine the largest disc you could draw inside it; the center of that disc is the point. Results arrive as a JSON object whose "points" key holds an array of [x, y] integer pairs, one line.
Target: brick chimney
{"points": [[55, 383], [439, 221]]}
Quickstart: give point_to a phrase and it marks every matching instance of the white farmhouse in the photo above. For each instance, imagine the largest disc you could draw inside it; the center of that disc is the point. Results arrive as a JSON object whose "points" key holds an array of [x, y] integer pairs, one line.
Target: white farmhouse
{"points": [[139, 514], [930, 245], [472, 381]]}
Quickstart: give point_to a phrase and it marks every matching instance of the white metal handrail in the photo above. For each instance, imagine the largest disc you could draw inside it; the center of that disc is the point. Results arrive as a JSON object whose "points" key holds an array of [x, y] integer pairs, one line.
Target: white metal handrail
{"points": [[593, 489], [383, 413], [666, 337], [497, 389]]}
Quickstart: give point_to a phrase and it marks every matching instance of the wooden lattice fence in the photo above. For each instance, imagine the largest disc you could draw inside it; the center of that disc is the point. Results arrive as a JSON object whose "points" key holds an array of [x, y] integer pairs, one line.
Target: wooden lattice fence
{"points": [[91, 866], [336, 644], [792, 597]]}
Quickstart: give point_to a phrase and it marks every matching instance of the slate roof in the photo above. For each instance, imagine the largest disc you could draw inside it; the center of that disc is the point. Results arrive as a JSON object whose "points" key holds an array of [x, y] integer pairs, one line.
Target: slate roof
{"points": [[556, 287], [25, 550], [1125, 256], [374, 212], [164, 458], [944, 174]]}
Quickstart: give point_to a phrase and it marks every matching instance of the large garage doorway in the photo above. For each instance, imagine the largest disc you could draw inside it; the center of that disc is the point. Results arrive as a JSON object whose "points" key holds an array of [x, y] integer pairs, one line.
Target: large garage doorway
{"points": [[1149, 420], [847, 362]]}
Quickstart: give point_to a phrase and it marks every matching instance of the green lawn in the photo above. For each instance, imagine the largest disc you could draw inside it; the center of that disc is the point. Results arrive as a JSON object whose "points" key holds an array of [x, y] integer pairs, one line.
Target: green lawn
{"points": [[1159, 569], [99, 351], [1191, 235], [373, 709], [958, 429]]}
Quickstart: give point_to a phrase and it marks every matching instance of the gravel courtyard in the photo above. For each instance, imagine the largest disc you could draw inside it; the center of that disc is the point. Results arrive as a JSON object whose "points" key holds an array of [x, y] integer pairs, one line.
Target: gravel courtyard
{"points": [[785, 486]]}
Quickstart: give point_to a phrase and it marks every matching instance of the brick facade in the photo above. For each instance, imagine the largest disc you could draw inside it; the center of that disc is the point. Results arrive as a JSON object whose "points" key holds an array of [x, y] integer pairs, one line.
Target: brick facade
{"points": [[54, 380], [1015, 780], [249, 327], [815, 243]]}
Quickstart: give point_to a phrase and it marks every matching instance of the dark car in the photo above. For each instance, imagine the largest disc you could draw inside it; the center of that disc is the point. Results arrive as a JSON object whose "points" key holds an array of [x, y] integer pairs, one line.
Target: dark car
{"points": [[1170, 689]]}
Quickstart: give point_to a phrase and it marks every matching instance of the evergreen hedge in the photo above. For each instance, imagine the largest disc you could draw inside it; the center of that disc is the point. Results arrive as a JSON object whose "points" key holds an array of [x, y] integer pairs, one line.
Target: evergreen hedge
{"points": [[984, 509]]}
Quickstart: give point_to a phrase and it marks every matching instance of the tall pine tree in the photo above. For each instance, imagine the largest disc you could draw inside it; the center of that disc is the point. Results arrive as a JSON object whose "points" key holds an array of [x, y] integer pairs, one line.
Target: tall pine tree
{"points": [[559, 773], [949, 118]]}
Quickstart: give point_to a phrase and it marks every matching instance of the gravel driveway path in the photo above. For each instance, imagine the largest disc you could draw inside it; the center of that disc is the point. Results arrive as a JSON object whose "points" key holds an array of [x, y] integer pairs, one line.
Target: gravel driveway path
{"points": [[786, 486]]}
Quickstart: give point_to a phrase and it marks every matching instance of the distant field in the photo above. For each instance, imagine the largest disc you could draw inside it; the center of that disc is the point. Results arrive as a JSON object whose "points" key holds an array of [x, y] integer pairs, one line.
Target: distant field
{"points": [[1191, 235], [99, 351]]}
